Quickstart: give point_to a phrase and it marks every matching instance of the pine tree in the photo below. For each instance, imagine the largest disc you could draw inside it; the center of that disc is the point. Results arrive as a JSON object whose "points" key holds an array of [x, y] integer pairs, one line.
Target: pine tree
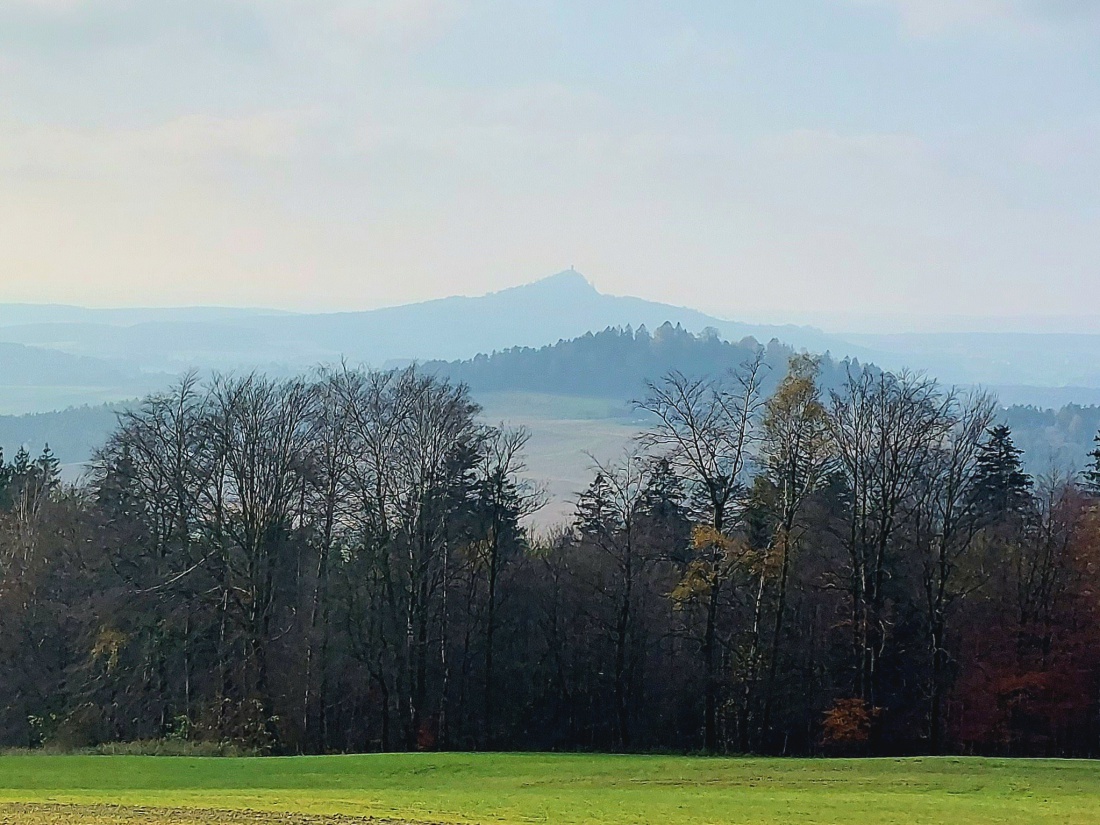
{"points": [[5, 482], [1092, 471], [48, 470], [1000, 487], [21, 464], [117, 493], [664, 512], [663, 496], [594, 515], [21, 474]]}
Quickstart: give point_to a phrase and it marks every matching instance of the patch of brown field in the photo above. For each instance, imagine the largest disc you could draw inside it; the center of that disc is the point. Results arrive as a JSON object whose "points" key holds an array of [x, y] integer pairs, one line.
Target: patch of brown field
{"points": [[41, 814]]}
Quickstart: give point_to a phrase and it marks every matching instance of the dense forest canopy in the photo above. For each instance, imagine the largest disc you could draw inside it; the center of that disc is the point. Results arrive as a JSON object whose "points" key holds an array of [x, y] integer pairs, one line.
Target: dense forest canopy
{"points": [[617, 362], [784, 562], [124, 348]]}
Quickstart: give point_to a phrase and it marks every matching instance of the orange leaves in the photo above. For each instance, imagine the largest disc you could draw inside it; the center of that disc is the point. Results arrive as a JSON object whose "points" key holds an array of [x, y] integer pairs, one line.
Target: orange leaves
{"points": [[696, 583], [848, 722], [108, 645], [709, 541]]}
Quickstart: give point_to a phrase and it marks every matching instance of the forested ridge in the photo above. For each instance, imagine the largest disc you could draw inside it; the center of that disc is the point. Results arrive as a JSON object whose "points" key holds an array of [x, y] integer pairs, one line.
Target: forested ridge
{"points": [[787, 561], [612, 364], [617, 361]]}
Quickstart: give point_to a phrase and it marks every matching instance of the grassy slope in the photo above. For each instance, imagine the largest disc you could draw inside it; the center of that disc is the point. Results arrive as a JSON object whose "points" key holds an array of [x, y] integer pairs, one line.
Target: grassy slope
{"points": [[455, 788]]}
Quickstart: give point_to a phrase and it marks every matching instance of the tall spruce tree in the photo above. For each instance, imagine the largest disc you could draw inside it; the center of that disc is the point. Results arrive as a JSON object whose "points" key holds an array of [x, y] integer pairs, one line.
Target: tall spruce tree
{"points": [[664, 512], [21, 464], [594, 515], [1091, 481], [48, 468], [1000, 487], [21, 475], [5, 482]]}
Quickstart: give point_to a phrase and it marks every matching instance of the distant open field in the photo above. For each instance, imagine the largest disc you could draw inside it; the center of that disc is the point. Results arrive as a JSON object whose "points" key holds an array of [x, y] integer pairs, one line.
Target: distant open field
{"points": [[567, 432], [514, 789]]}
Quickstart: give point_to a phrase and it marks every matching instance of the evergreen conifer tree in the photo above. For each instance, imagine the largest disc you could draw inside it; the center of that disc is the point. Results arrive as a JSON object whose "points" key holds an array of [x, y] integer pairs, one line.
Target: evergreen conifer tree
{"points": [[5, 482], [1000, 487], [117, 490], [48, 469], [594, 515], [663, 496], [1092, 471], [21, 474], [664, 511], [21, 464]]}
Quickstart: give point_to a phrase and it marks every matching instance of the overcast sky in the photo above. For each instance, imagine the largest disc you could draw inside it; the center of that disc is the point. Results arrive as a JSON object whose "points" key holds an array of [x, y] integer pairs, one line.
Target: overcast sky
{"points": [[749, 157]]}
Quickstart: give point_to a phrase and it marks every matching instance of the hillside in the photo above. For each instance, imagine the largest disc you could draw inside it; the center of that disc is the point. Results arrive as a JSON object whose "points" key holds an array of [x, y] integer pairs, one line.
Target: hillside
{"points": [[24, 314], [1047, 370], [73, 434], [562, 306], [575, 398], [23, 366], [34, 379], [617, 362]]}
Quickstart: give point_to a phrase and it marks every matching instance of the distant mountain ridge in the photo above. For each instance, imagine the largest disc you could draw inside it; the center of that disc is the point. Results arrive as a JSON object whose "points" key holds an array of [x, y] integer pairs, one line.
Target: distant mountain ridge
{"points": [[548, 387], [559, 307], [26, 314], [1001, 360], [22, 366], [1042, 369]]}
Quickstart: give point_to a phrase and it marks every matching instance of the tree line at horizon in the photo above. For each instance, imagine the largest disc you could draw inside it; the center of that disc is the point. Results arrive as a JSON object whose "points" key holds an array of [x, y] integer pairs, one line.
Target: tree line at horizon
{"points": [[616, 362], [611, 364], [342, 562]]}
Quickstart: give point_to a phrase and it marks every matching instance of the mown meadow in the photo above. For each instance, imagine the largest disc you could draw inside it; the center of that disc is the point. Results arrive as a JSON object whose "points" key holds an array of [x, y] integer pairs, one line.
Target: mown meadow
{"points": [[514, 789]]}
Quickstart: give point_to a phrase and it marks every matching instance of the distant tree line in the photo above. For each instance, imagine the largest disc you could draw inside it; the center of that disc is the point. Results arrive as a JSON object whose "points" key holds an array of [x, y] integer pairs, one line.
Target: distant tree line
{"points": [[611, 364], [616, 362], [342, 563]]}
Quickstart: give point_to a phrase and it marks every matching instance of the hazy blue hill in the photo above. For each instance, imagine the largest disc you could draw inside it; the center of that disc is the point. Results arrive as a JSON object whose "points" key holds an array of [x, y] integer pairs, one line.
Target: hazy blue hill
{"points": [[174, 346], [73, 434], [1046, 369], [22, 314], [559, 307], [1045, 397], [1008, 359], [1056, 440], [562, 306], [616, 363], [31, 366], [35, 379]]}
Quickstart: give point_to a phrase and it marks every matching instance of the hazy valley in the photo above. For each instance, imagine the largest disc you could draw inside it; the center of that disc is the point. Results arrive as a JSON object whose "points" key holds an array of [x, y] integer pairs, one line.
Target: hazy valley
{"points": [[555, 356]]}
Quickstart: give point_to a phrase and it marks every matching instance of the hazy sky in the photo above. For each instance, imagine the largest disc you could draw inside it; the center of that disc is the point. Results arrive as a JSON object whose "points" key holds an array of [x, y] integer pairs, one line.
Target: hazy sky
{"points": [[749, 157]]}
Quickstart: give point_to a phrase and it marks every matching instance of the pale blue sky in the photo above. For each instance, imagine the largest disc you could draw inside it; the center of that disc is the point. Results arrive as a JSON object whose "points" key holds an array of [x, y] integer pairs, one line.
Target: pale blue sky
{"points": [[756, 159]]}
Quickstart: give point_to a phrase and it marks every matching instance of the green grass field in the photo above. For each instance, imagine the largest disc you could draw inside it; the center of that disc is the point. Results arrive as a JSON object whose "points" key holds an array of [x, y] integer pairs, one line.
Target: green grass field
{"points": [[611, 790]]}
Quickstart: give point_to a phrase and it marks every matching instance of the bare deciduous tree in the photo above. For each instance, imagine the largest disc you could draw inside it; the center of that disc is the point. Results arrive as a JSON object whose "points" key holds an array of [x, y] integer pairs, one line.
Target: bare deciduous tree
{"points": [[704, 428]]}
